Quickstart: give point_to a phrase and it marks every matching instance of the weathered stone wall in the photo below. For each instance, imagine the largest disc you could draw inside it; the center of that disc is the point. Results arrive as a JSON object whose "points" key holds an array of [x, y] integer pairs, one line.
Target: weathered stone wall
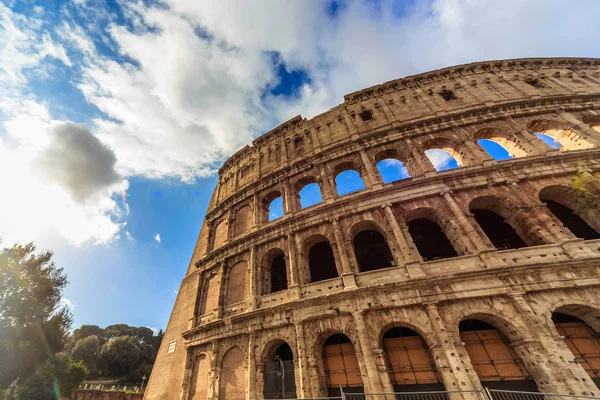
{"points": [[219, 317]]}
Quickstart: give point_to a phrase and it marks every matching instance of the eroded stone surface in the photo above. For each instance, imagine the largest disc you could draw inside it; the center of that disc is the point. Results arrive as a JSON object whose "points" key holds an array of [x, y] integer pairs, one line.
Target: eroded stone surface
{"points": [[226, 323]]}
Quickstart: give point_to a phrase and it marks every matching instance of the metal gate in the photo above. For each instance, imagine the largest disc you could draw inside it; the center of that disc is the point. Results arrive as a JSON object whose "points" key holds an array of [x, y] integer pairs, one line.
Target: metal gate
{"points": [[280, 381]]}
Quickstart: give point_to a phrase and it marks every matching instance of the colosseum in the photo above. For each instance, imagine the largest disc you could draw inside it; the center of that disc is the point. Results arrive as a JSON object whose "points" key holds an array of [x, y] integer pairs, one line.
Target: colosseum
{"points": [[485, 275]]}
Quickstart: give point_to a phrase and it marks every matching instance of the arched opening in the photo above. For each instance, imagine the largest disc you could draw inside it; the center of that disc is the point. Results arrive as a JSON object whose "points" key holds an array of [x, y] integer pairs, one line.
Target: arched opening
{"points": [[430, 240], [500, 144], [392, 170], [560, 132], [279, 376], [243, 220], [442, 159], [199, 383], [236, 283], [209, 298], [494, 360], [572, 221], [372, 251], [275, 209], [321, 262], [494, 149], [310, 194], [232, 379], [575, 209], [409, 362], [271, 207], [582, 340], [348, 181], [341, 366], [501, 234], [278, 274], [548, 140]]}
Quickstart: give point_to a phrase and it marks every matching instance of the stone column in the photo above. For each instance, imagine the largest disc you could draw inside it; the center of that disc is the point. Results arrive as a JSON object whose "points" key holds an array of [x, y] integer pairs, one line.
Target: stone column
{"points": [[421, 160], [468, 229], [291, 199], [212, 392], [251, 388], [364, 341], [302, 373], [222, 286], [536, 144], [376, 181], [255, 212], [552, 359], [536, 218], [254, 264], [347, 273], [586, 132], [327, 185], [459, 379], [482, 156], [412, 261], [294, 286]]}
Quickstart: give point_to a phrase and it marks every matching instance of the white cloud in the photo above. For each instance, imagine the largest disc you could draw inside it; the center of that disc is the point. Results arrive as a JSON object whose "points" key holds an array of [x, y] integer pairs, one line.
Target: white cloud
{"points": [[197, 86], [67, 302], [439, 158], [157, 238], [129, 236]]}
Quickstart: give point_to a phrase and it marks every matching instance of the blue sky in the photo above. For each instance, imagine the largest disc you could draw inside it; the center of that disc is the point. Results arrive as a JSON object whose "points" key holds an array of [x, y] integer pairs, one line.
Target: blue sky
{"points": [[115, 115]]}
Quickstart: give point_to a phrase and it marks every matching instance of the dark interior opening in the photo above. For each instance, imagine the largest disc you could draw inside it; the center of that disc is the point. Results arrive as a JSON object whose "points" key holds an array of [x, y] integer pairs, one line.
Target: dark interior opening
{"points": [[535, 82], [572, 221], [397, 332], [338, 338], [279, 377], [366, 115], [321, 262], [278, 274], [284, 352], [501, 234], [560, 318], [299, 144], [448, 95], [372, 251], [431, 242], [471, 325]]}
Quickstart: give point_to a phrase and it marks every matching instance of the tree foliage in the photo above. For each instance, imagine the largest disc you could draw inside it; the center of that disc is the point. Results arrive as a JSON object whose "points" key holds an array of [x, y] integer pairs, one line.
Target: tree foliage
{"points": [[33, 324], [58, 377]]}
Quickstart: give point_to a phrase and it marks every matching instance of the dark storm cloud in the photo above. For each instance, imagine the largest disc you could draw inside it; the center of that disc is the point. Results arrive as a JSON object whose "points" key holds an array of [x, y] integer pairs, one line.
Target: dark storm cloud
{"points": [[78, 161]]}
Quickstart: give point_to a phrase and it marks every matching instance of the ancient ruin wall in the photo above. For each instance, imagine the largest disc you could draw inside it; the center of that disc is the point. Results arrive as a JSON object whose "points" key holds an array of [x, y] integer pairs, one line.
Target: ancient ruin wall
{"points": [[227, 319]]}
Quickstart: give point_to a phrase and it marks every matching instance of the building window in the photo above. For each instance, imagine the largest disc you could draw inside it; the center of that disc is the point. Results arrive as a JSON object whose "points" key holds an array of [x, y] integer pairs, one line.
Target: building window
{"points": [[366, 115], [535, 82], [171, 347], [299, 145], [448, 95]]}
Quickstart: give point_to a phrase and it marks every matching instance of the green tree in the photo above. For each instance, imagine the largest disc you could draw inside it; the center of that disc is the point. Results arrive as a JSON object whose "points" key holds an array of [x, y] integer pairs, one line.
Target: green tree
{"points": [[57, 378], [87, 350], [120, 355], [90, 330], [33, 324]]}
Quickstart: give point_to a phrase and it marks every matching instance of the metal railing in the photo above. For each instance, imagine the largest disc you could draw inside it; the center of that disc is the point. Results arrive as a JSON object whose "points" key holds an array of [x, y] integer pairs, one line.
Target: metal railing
{"points": [[433, 395], [496, 394], [490, 394]]}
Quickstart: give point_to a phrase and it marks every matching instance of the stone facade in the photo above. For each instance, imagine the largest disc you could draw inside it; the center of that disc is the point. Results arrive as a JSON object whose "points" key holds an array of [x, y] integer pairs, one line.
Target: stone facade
{"points": [[227, 322]]}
